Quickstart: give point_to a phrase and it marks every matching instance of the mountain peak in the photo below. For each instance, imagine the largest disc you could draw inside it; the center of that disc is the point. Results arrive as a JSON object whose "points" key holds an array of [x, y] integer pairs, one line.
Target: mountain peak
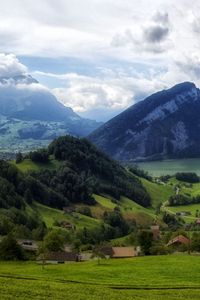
{"points": [[163, 125]]}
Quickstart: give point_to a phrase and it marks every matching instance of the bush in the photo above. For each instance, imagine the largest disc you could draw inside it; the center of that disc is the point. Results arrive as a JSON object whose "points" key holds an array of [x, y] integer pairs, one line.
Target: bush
{"points": [[159, 249], [10, 250], [188, 177]]}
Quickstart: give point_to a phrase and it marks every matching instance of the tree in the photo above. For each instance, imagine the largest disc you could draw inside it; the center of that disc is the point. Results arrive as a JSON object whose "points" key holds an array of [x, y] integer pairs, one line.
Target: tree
{"points": [[10, 250], [145, 239], [19, 158], [195, 244], [97, 253], [54, 241], [28, 196]]}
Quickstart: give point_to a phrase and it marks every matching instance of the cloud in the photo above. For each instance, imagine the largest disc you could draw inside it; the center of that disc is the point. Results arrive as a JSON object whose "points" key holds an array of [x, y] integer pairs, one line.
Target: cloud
{"points": [[149, 37], [10, 66], [104, 96], [155, 33]]}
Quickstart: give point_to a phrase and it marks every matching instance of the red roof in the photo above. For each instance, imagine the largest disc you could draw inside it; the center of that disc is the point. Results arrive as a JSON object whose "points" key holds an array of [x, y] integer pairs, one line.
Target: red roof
{"points": [[180, 239]]}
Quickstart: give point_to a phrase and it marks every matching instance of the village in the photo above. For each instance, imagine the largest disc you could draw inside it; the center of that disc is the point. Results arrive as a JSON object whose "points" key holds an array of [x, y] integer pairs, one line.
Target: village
{"points": [[179, 243]]}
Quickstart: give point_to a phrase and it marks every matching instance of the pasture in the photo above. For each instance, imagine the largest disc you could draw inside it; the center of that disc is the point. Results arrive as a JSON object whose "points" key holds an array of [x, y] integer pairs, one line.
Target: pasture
{"points": [[153, 278]]}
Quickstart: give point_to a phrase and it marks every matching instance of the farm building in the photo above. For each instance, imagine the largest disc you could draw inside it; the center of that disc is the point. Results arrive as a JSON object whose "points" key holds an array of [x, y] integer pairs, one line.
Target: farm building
{"points": [[28, 245], [120, 252], [59, 257], [179, 240]]}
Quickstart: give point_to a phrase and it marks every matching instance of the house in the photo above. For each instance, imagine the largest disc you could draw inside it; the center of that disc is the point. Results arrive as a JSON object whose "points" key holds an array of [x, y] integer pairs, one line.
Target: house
{"points": [[183, 213], [59, 257], [67, 225], [120, 252], [28, 245], [155, 229], [179, 240]]}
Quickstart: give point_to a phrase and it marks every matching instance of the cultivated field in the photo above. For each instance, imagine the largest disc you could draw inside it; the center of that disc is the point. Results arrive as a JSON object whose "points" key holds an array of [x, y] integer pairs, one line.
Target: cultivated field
{"points": [[154, 278]]}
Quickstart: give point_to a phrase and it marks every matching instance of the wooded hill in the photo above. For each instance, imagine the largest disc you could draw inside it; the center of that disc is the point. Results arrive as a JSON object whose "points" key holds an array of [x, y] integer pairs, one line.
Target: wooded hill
{"points": [[79, 171]]}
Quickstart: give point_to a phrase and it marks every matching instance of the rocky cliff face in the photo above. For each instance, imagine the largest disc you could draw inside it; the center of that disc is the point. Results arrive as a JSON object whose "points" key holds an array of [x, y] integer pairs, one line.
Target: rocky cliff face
{"points": [[164, 125]]}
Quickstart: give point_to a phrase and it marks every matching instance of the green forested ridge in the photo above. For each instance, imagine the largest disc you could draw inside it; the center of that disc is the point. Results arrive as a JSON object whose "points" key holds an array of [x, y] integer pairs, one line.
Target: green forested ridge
{"points": [[66, 174]]}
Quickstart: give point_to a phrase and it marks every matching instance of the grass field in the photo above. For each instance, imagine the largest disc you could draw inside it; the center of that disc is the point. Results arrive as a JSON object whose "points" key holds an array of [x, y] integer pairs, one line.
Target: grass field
{"points": [[170, 167], [29, 165], [50, 215], [159, 193], [146, 278], [191, 208]]}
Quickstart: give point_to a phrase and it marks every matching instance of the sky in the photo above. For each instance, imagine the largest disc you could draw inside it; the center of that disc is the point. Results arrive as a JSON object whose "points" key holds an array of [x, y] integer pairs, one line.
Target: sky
{"points": [[101, 56]]}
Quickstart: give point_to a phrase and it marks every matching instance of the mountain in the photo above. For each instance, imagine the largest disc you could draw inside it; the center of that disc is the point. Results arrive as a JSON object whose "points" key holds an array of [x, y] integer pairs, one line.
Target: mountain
{"points": [[164, 125], [30, 116]]}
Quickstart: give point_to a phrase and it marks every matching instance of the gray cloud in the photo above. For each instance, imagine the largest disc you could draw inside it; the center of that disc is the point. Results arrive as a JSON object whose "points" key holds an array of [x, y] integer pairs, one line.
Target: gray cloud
{"points": [[150, 37], [155, 33]]}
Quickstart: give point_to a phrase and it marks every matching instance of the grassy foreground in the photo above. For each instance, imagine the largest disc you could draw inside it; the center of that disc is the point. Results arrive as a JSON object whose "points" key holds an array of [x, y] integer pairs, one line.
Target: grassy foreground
{"points": [[153, 278]]}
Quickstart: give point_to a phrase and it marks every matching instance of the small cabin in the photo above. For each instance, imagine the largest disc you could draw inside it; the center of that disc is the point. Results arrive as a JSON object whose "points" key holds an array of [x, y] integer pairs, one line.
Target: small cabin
{"points": [[28, 245], [120, 252], [179, 240], [59, 257]]}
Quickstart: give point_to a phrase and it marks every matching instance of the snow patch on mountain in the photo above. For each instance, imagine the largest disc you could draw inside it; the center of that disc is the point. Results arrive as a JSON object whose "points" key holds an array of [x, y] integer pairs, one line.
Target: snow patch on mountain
{"points": [[180, 136], [170, 107]]}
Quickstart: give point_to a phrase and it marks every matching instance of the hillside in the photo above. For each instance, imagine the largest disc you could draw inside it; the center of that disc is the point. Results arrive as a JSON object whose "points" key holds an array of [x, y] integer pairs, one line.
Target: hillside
{"points": [[164, 125], [71, 174]]}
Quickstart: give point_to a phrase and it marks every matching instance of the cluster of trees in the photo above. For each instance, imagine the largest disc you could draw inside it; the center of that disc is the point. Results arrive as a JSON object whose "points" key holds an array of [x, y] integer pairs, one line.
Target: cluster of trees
{"points": [[22, 224], [10, 250], [173, 222], [187, 177], [106, 175], [116, 220], [139, 172], [182, 199], [39, 156]]}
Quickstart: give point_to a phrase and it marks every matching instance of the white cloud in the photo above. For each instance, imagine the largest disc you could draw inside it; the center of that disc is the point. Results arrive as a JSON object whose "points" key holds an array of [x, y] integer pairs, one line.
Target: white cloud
{"points": [[103, 96], [10, 66], [86, 28]]}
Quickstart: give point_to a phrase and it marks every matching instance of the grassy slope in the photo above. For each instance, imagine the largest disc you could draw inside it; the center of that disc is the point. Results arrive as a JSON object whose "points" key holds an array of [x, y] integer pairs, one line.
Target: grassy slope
{"points": [[29, 165], [50, 215], [129, 209], [159, 193], [153, 278]]}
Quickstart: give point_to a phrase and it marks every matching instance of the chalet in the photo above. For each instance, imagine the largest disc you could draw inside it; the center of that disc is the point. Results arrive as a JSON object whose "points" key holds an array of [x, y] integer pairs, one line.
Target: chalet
{"points": [[59, 257], [120, 252], [67, 225], [179, 240], [28, 245]]}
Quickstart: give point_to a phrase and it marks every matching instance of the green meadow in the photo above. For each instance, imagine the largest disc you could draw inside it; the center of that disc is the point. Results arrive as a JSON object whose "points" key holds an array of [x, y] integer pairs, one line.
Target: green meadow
{"points": [[153, 278]]}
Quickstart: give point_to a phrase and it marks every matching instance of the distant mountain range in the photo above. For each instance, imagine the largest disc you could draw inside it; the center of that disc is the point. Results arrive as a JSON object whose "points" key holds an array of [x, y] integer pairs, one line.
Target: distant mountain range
{"points": [[164, 125], [30, 116]]}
